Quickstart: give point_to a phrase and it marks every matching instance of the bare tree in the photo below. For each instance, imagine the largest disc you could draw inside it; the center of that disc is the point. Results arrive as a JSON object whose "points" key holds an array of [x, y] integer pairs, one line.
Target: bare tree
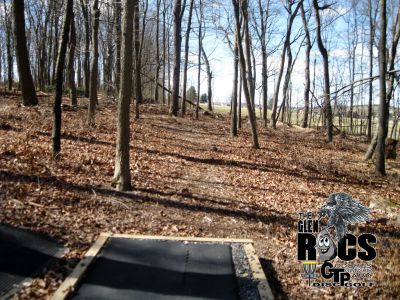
{"points": [[209, 78], [24, 70], [186, 61], [372, 26], [10, 59], [117, 24], [122, 175], [157, 54], [306, 67], [94, 68], [324, 53], [138, 57], [243, 67], [71, 61], [178, 15], [86, 60], [234, 98], [56, 136], [292, 15]]}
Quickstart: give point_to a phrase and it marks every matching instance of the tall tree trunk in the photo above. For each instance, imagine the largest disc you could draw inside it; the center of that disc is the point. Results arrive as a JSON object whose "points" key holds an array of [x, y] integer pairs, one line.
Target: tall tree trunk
{"points": [[324, 53], [306, 68], [86, 60], [71, 62], [164, 50], [264, 15], [286, 82], [252, 117], [247, 52], [185, 64], [209, 79], [200, 20], [117, 24], [138, 66], [108, 68], [177, 56], [56, 136], [383, 105], [390, 77], [55, 48], [10, 59], [157, 58], [24, 70], [94, 66], [122, 175], [234, 100], [371, 67], [292, 16]]}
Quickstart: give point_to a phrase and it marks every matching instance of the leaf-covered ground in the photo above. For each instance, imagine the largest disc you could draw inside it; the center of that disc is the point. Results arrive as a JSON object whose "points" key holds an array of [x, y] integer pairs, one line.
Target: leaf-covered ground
{"points": [[190, 179]]}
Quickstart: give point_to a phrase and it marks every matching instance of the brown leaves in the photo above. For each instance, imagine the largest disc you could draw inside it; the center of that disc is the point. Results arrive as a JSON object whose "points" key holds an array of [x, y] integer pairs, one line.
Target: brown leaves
{"points": [[190, 179]]}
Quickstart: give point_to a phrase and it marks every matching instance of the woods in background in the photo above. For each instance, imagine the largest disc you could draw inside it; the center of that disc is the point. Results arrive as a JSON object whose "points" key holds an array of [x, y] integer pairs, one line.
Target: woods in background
{"points": [[83, 48]]}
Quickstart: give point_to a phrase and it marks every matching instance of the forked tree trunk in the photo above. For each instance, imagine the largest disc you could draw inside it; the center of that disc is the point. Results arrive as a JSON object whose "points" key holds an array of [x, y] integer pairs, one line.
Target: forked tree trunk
{"points": [[292, 16], [56, 136], [24, 70], [242, 61], [122, 175]]}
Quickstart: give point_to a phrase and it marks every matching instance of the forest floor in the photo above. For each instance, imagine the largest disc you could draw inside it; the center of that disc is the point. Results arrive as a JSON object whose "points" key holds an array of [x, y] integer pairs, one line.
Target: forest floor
{"points": [[190, 179]]}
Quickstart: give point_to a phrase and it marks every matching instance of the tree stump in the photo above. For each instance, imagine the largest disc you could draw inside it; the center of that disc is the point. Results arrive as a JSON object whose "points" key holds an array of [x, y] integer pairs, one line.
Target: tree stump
{"points": [[391, 148]]}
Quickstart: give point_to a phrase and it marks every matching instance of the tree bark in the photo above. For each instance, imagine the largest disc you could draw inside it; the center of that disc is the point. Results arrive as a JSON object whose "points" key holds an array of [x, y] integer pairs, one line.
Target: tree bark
{"points": [[306, 68], [24, 70], [209, 79], [247, 52], [200, 44], [138, 65], [117, 24], [86, 60], [371, 68], [264, 59], [122, 175], [185, 64], [383, 106], [324, 53], [157, 57], [94, 65], [177, 56], [71, 61], [234, 100], [252, 117], [10, 59], [56, 135], [292, 16], [390, 77]]}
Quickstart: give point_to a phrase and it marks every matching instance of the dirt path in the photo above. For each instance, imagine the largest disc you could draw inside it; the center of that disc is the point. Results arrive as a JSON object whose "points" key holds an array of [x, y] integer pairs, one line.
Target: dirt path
{"points": [[190, 178]]}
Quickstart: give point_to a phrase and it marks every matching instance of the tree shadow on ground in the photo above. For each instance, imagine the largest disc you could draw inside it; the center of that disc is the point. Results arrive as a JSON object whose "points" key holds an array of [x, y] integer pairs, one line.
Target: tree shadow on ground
{"points": [[273, 279], [156, 196]]}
